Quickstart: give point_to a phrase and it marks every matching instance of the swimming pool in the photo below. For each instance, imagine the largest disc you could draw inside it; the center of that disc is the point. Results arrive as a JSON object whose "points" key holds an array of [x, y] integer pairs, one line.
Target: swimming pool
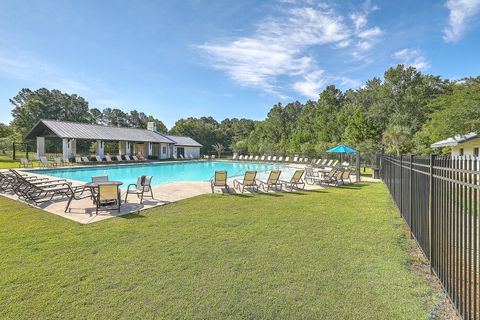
{"points": [[162, 172]]}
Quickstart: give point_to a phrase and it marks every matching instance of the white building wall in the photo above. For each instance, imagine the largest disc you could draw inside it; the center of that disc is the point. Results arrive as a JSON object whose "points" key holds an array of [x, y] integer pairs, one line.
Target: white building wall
{"points": [[468, 147]]}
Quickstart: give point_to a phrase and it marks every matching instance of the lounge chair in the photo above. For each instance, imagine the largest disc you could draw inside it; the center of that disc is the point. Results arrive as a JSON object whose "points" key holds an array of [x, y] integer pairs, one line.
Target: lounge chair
{"points": [[219, 180], [329, 163], [256, 158], [331, 177], [269, 158], [280, 159], [174, 156], [300, 160], [143, 186], [240, 157], [212, 156], [108, 158], [273, 181], [99, 159], [24, 163], [335, 163], [305, 160], [135, 158], [182, 157], [346, 175], [295, 159], [247, 182], [287, 159], [57, 161], [78, 193], [262, 158], [345, 164], [191, 156], [78, 160], [296, 181], [85, 160], [119, 158], [235, 156], [108, 194], [39, 191], [274, 158], [312, 176], [44, 162], [66, 161], [127, 158]]}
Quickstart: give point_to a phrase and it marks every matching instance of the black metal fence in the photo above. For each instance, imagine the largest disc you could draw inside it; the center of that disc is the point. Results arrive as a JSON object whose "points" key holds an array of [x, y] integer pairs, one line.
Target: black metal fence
{"points": [[438, 197]]}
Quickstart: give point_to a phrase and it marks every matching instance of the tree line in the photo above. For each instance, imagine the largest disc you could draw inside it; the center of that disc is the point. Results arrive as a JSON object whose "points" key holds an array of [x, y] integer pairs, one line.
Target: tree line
{"points": [[403, 112]]}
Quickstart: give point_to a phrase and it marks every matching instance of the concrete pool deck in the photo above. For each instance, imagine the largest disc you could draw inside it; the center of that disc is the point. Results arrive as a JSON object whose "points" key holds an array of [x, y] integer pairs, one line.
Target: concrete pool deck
{"points": [[83, 211]]}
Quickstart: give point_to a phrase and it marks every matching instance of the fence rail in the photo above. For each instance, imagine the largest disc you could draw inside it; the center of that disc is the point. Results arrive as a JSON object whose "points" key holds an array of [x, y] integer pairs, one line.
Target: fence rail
{"points": [[438, 197]]}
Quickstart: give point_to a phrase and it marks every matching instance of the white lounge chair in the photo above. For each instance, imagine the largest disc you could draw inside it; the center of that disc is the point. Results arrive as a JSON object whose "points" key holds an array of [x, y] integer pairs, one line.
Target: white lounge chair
{"points": [[44, 162], [280, 159], [269, 158], [300, 160], [182, 157], [240, 157], [295, 159], [78, 160], [235, 156], [99, 159], [250, 158], [85, 160], [108, 158], [287, 159], [24, 163], [274, 158], [256, 158], [191, 156], [262, 158]]}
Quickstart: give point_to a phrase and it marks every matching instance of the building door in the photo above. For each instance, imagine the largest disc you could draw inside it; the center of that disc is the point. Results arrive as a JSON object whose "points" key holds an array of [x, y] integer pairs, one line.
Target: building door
{"points": [[180, 151]]}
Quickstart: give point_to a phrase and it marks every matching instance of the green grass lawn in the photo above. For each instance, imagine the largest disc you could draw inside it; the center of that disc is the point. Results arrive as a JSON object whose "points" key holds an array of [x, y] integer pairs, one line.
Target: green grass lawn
{"points": [[339, 253], [7, 162]]}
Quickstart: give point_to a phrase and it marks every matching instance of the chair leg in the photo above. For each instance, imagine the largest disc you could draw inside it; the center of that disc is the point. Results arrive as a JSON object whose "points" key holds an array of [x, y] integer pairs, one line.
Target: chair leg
{"points": [[126, 195], [68, 203], [141, 198]]}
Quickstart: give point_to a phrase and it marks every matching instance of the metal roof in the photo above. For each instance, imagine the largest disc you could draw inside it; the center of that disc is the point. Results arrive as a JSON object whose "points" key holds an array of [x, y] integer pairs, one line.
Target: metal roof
{"points": [[183, 141], [76, 130], [453, 141]]}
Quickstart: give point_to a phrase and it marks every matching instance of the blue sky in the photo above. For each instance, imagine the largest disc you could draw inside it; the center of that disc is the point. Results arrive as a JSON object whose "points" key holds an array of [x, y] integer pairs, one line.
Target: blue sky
{"points": [[222, 58]]}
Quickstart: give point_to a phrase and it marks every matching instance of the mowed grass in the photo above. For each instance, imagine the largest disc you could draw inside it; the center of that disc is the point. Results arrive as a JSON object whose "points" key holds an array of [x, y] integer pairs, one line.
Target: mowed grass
{"points": [[6, 161], [340, 253]]}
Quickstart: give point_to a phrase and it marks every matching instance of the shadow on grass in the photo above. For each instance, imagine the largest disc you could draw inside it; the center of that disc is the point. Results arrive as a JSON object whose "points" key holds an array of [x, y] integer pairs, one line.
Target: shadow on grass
{"points": [[352, 186], [133, 215]]}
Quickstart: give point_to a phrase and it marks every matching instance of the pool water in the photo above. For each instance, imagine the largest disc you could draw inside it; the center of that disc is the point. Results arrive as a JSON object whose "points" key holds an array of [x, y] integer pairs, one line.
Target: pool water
{"points": [[165, 172]]}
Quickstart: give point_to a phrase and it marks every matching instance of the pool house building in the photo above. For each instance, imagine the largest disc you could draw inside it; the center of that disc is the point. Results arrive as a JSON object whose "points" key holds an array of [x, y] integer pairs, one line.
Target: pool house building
{"points": [[147, 142]]}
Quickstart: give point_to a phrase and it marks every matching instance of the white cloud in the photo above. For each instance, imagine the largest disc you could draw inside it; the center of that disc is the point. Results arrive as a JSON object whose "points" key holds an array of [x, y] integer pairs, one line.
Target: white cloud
{"points": [[279, 48], [412, 57], [311, 84], [461, 12]]}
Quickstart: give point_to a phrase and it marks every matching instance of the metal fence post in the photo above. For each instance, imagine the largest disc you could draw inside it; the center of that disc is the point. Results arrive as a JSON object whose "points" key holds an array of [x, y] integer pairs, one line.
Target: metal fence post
{"points": [[357, 173], [430, 213], [410, 206], [401, 186]]}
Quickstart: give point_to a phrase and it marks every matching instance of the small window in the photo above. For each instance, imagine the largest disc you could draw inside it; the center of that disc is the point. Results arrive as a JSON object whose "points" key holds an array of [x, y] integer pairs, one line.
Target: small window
{"points": [[164, 150], [460, 152], [475, 152]]}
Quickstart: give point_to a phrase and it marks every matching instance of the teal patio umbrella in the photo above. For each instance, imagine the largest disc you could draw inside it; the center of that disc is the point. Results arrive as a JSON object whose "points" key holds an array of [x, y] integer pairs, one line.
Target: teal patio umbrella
{"points": [[341, 149]]}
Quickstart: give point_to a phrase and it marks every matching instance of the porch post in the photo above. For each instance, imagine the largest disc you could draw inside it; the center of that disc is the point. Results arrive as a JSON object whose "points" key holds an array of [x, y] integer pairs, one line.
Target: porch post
{"points": [[121, 148], [40, 146], [72, 147], [149, 149], [127, 148], [65, 148], [100, 148]]}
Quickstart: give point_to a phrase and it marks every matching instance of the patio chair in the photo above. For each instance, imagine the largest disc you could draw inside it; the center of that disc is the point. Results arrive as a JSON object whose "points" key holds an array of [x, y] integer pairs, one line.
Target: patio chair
{"points": [[119, 158], [287, 159], [100, 179], [174, 156], [262, 158], [295, 159], [296, 181], [108, 194], [108, 158], [78, 193], [274, 158], [256, 158], [269, 158], [143, 185], [219, 180], [78, 160], [181, 157], [24, 163], [247, 182], [99, 159], [135, 158], [280, 159], [85, 160], [191, 156], [346, 175], [273, 181], [40, 191], [305, 160], [212, 157], [235, 156], [240, 157], [127, 158], [250, 157]]}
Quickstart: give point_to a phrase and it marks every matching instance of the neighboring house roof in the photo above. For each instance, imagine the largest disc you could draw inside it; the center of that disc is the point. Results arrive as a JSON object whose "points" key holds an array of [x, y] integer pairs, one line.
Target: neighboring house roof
{"points": [[76, 130], [453, 141], [183, 141]]}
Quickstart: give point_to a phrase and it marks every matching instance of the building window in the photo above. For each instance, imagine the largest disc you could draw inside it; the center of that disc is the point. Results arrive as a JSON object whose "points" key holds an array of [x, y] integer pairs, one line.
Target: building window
{"points": [[460, 152], [475, 152], [164, 150]]}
